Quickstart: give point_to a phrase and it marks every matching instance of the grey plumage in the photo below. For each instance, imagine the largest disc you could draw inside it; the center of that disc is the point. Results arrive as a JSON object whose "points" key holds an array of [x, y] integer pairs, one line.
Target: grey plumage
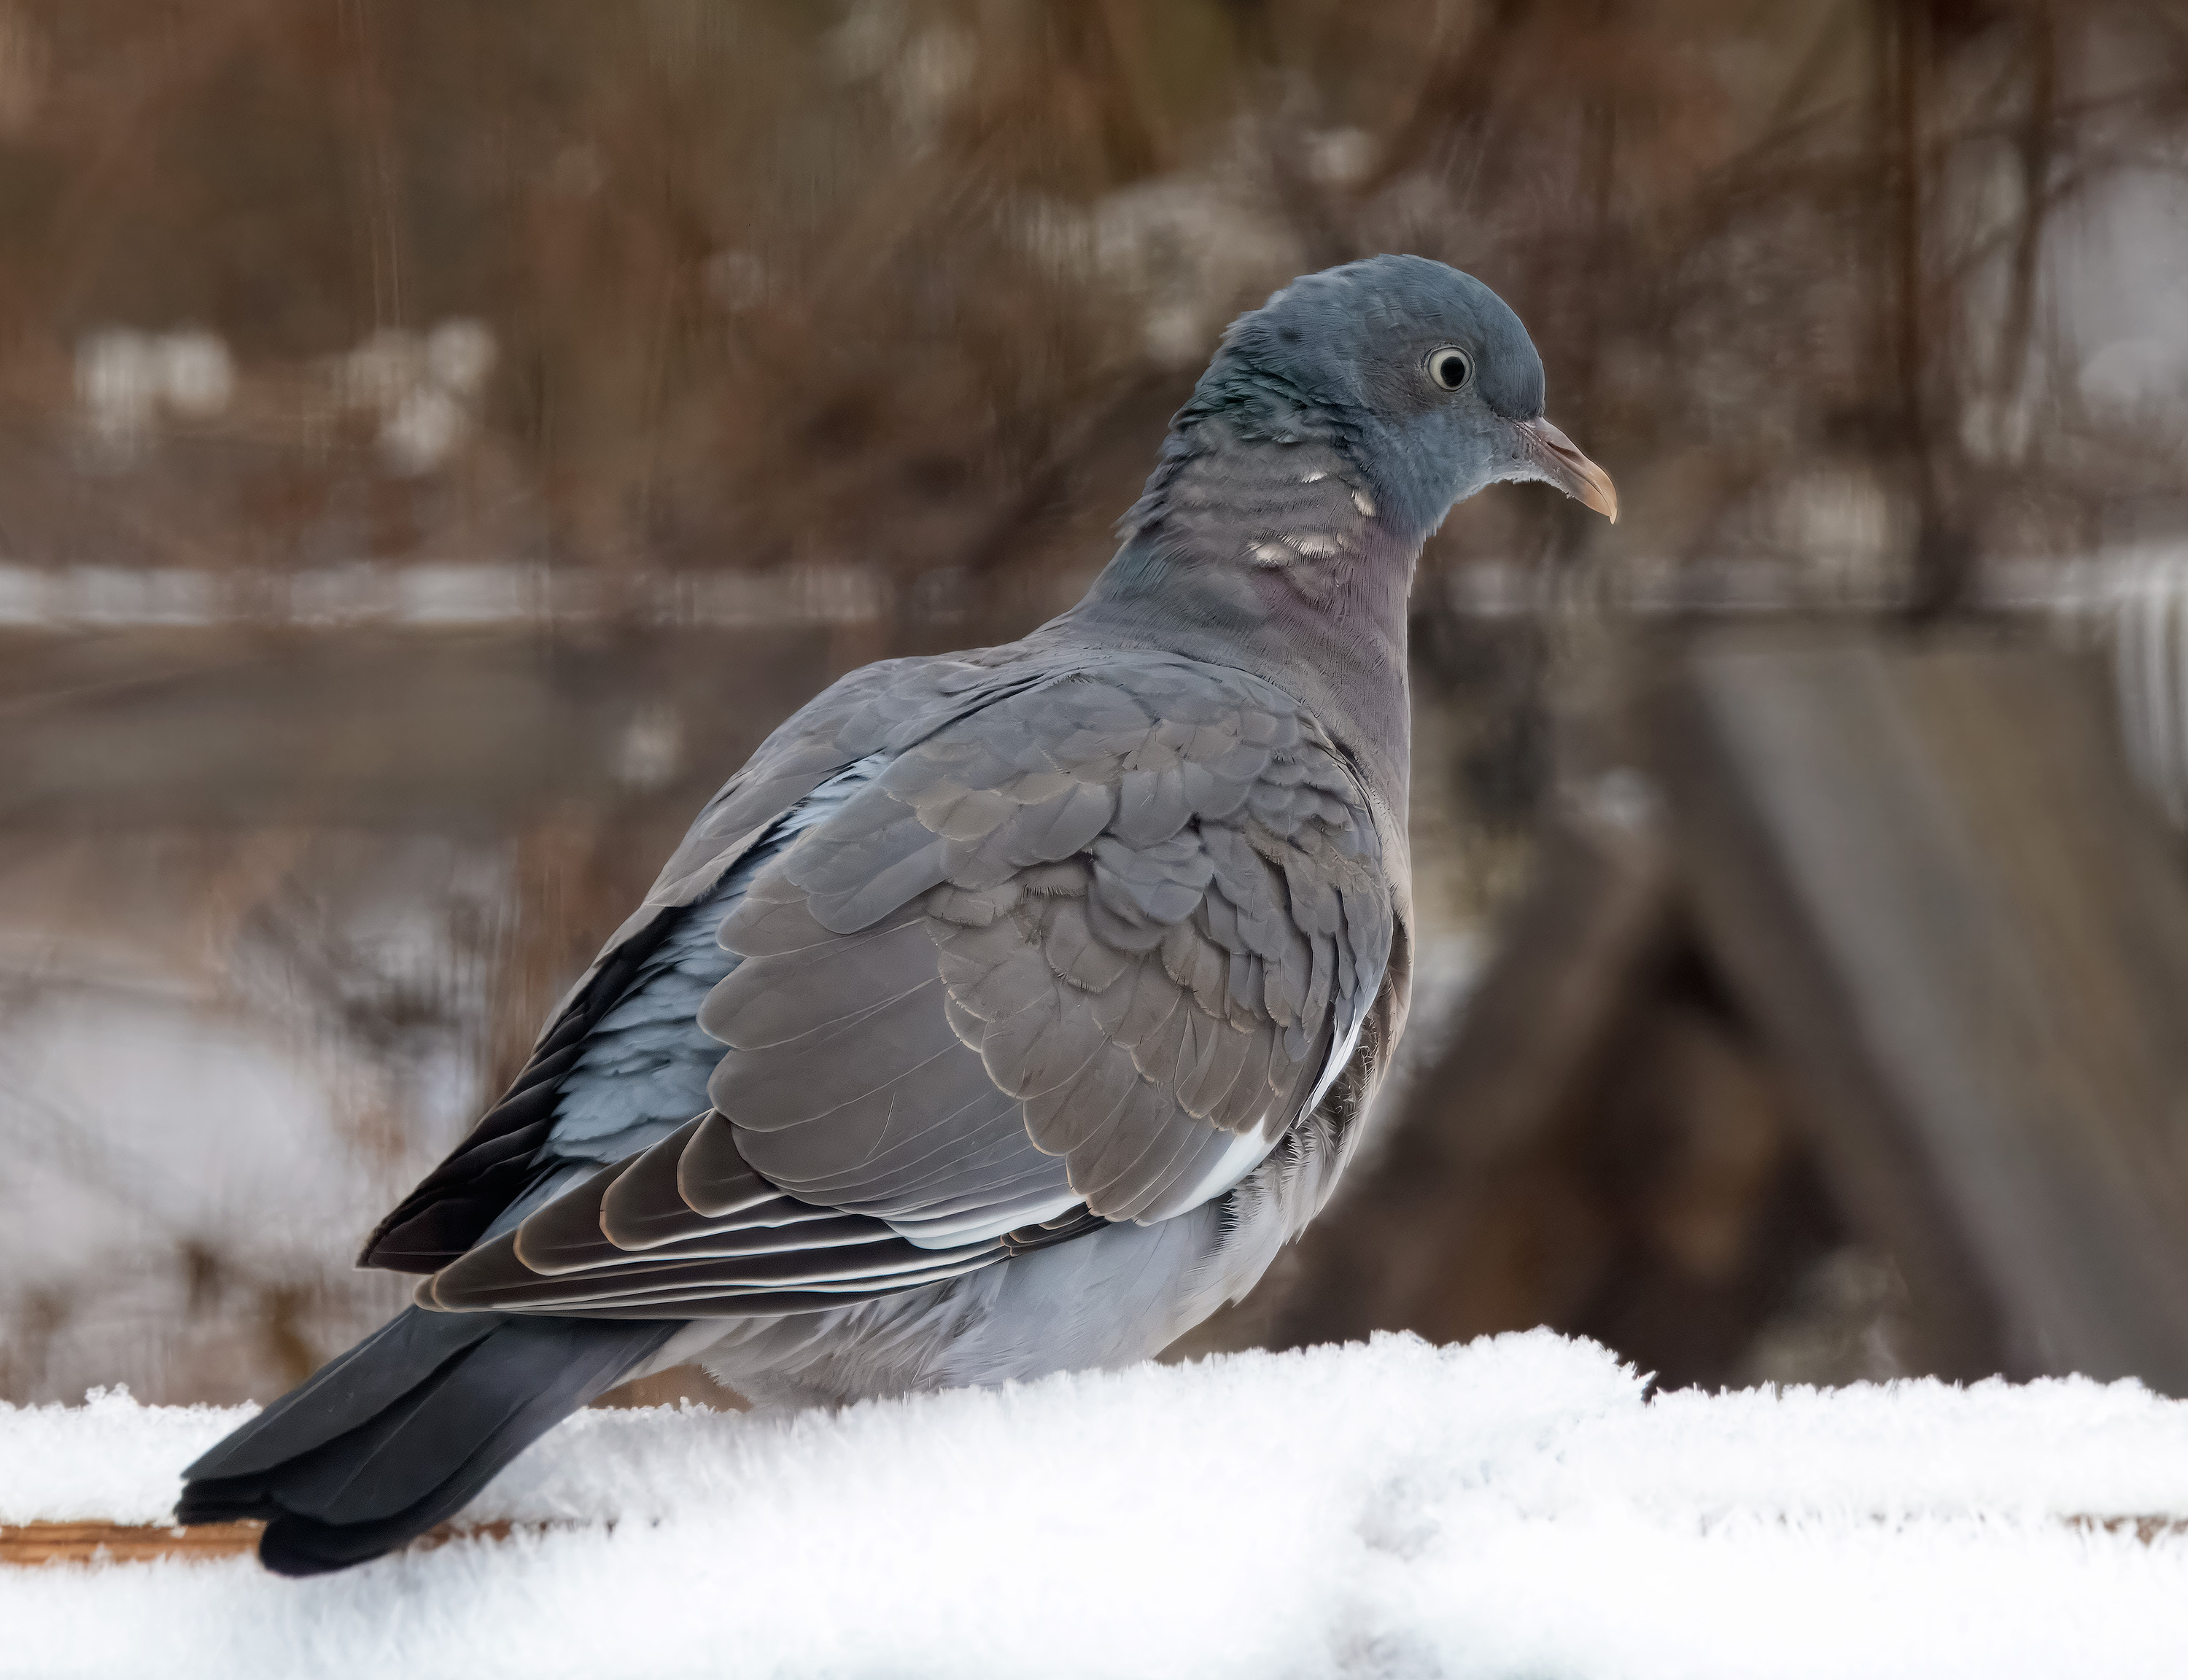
{"points": [[401, 1431], [1008, 1010]]}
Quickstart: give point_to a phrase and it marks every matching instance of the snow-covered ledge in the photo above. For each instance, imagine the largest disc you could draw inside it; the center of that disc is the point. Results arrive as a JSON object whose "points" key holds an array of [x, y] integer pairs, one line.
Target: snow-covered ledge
{"points": [[1512, 1507]]}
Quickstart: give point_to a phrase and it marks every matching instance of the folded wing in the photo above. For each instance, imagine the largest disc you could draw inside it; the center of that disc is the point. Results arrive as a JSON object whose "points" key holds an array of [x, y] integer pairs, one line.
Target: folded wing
{"points": [[1082, 954]]}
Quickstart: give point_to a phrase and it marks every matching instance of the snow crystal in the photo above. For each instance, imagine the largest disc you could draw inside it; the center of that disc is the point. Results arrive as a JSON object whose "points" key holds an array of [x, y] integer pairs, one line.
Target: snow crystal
{"points": [[1514, 1507], [108, 1460]]}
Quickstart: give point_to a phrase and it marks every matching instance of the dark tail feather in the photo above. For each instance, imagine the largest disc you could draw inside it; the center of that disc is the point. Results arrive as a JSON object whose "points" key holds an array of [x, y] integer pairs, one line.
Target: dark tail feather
{"points": [[398, 1433]]}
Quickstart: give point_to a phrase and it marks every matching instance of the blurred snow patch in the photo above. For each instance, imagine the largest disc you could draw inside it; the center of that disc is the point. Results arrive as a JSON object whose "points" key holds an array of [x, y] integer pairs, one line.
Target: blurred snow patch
{"points": [[424, 390], [1194, 251], [651, 749], [448, 592], [1340, 157], [124, 378], [2136, 376], [196, 374], [922, 71], [1512, 1507], [2148, 610]]}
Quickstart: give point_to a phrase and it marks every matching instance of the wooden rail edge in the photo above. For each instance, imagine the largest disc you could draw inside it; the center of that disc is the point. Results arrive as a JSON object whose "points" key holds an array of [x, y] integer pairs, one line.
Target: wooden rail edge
{"points": [[133, 1543], [35, 1543]]}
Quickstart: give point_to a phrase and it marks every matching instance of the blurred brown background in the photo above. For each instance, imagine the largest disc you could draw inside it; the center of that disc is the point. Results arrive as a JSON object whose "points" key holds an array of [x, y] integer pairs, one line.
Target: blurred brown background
{"points": [[437, 440]]}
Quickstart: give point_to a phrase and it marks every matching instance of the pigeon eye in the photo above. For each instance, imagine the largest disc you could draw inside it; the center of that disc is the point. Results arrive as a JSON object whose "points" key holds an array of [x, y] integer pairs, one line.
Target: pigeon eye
{"points": [[1450, 368]]}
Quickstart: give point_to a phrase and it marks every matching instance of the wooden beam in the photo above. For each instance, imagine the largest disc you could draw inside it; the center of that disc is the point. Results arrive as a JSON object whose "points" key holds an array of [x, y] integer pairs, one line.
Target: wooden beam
{"points": [[1930, 880], [91, 1542], [104, 1543]]}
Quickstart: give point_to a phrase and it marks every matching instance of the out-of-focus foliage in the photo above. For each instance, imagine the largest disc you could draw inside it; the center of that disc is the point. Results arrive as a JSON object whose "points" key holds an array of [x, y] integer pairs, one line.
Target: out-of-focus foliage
{"points": [[698, 283]]}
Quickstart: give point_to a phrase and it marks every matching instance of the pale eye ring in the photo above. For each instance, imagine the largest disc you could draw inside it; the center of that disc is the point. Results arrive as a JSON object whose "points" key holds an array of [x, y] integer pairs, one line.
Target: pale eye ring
{"points": [[1449, 366]]}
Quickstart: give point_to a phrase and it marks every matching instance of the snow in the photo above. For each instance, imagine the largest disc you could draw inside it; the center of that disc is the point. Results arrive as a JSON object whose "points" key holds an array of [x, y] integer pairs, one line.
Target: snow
{"points": [[1514, 1507], [362, 593]]}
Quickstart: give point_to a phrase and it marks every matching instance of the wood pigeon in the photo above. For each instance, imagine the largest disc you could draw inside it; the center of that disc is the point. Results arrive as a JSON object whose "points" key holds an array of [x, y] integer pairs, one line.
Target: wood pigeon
{"points": [[1010, 1009]]}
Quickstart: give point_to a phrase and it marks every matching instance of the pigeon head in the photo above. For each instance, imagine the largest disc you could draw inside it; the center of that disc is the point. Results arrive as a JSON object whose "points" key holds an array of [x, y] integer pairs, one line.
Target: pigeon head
{"points": [[1422, 374], [1335, 428]]}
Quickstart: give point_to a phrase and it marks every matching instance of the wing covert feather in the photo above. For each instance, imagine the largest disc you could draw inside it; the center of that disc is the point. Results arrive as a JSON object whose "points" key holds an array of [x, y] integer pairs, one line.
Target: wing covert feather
{"points": [[1081, 949], [1155, 899]]}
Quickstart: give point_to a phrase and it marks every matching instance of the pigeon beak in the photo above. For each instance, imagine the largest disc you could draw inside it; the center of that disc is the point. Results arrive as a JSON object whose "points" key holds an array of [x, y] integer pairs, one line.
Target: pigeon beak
{"points": [[1555, 461]]}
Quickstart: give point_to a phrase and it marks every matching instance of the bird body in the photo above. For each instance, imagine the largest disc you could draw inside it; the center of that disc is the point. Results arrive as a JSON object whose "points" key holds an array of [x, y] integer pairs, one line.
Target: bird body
{"points": [[1009, 1010]]}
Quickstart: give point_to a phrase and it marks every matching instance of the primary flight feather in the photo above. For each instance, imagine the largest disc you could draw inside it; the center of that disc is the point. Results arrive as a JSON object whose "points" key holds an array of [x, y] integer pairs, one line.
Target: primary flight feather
{"points": [[1010, 1009]]}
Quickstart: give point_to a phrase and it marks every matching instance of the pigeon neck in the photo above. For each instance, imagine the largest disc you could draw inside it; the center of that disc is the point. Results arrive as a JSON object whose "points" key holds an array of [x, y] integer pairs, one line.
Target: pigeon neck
{"points": [[1272, 557]]}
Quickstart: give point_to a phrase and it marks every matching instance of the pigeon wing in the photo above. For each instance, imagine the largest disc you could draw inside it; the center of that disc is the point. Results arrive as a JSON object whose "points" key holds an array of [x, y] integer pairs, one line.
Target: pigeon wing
{"points": [[877, 709], [1083, 954], [1156, 902]]}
